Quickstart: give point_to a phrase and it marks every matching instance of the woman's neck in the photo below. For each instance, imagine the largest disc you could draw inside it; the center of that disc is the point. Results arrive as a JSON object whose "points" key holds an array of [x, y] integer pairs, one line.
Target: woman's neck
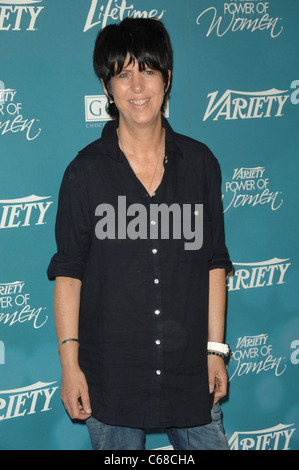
{"points": [[140, 141], [144, 150]]}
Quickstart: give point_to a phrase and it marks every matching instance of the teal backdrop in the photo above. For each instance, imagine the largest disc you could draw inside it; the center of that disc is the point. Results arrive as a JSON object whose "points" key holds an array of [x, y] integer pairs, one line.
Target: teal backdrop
{"points": [[236, 88]]}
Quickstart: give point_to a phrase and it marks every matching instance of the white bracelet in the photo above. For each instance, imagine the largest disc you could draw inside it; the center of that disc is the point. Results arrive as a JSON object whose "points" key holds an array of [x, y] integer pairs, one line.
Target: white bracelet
{"points": [[218, 347]]}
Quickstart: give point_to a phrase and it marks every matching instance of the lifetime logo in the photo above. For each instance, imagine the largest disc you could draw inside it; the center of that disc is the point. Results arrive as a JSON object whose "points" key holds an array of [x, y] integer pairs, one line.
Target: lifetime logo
{"points": [[115, 10], [17, 15]]}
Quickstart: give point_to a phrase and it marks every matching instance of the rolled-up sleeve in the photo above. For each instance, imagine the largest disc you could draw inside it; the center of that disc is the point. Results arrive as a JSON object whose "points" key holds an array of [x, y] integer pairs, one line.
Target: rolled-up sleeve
{"points": [[72, 229], [220, 257]]}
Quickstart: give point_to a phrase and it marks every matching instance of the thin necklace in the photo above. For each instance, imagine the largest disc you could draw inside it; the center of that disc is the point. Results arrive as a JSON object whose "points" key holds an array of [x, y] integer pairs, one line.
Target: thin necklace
{"points": [[160, 158]]}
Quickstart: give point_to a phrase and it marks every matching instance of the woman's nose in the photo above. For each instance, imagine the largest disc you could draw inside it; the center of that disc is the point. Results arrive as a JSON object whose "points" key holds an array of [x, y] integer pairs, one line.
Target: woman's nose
{"points": [[137, 84]]}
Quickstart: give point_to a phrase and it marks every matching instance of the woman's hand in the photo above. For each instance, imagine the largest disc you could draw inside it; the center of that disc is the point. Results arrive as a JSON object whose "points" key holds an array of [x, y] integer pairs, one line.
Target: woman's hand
{"points": [[74, 394], [217, 377]]}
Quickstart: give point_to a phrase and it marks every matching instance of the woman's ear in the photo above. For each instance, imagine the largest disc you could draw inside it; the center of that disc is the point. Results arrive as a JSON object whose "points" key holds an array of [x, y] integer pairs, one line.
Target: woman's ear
{"points": [[104, 88], [168, 82], [109, 96]]}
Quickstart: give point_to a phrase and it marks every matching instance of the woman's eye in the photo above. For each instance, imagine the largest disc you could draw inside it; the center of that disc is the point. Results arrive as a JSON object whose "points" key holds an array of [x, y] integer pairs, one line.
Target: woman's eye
{"points": [[123, 75]]}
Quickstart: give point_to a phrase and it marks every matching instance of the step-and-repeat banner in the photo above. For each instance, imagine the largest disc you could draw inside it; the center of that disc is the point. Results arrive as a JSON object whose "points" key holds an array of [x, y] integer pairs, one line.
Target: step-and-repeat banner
{"points": [[236, 88]]}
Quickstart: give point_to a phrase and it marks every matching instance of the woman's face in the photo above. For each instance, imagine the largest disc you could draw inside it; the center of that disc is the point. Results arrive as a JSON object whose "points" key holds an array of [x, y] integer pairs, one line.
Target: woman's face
{"points": [[137, 95]]}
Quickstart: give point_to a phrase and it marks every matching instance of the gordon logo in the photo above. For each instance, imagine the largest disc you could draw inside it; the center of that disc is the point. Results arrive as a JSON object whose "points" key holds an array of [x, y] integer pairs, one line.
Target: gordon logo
{"points": [[96, 108], [23, 212], [15, 306], [11, 117], [115, 10], [261, 274], [28, 400], [253, 355], [17, 15], [276, 438], [250, 187], [238, 16]]}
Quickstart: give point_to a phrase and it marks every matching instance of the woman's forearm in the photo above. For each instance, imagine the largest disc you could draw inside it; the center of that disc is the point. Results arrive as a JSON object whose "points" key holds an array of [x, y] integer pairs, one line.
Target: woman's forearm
{"points": [[66, 310], [217, 304]]}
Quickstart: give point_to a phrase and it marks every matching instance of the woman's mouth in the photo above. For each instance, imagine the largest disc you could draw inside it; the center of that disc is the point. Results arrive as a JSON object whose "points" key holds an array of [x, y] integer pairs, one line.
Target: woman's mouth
{"points": [[139, 102]]}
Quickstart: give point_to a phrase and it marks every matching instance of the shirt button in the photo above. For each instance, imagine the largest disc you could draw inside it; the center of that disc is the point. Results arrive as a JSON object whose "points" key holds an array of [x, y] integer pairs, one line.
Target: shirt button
{"points": [[158, 342], [153, 222], [156, 281], [154, 251], [157, 312], [158, 372]]}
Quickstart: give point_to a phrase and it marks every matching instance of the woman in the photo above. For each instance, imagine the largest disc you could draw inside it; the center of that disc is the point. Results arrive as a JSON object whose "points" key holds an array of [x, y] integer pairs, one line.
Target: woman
{"points": [[143, 307]]}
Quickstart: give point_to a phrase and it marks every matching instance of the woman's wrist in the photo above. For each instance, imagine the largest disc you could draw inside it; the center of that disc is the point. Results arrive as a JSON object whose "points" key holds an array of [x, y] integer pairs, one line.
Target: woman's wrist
{"points": [[69, 353]]}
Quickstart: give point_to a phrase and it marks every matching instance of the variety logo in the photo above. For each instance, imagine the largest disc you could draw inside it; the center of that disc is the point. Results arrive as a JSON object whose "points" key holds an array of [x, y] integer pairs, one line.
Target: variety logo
{"points": [[23, 212], [115, 10], [253, 355], [15, 308], [28, 400], [234, 104], [17, 15], [261, 274], [11, 119], [238, 16], [276, 438], [250, 187]]}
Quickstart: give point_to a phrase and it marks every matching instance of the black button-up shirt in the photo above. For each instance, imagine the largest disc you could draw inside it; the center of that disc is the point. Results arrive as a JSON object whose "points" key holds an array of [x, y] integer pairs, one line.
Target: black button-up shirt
{"points": [[144, 301]]}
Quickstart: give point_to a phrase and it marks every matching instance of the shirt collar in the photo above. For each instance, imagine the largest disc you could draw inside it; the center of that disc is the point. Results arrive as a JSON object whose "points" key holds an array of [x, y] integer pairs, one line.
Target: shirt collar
{"points": [[110, 140]]}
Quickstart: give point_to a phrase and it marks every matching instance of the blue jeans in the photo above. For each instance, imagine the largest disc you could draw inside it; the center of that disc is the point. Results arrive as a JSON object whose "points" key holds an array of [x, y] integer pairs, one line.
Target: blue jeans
{"points": [[207, 437]]}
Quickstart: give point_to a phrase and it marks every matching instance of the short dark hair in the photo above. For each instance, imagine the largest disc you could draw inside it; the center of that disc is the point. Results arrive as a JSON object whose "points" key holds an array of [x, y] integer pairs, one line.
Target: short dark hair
{"points": [[145, 40]]}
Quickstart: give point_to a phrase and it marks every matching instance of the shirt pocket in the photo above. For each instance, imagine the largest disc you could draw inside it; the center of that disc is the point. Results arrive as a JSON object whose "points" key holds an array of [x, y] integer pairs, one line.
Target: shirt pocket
{"points": [[195, 242]]}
